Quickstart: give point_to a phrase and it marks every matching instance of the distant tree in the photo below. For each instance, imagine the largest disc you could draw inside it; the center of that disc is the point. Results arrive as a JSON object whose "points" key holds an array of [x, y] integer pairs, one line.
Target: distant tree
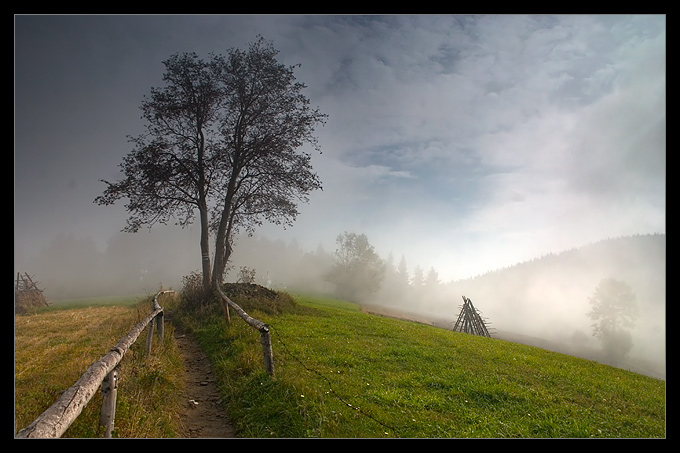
{"points": [[246, 275], [432, 278], [402, 271], [418, 279], [357, 270], [614, 309], [222, 138]]}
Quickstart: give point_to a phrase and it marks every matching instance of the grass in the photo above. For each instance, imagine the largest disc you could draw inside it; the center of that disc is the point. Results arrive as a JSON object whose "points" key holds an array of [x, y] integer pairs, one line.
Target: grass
{"points": [[343, 373], [339, 373], [54, 348], [103, 301]]}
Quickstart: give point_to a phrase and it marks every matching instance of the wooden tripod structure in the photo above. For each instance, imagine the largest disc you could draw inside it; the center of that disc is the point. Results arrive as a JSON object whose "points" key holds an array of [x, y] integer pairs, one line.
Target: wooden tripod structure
{"points": [[27, 295], [470, 321]]}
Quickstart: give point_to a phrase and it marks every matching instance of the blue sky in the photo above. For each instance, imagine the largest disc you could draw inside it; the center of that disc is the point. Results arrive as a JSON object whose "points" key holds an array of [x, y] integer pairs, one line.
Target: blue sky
{"points": [[464, 143]]}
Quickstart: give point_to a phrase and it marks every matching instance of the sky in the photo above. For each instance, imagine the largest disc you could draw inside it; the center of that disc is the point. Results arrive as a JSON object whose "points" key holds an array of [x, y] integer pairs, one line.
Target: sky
{"points": [[465, 143]]}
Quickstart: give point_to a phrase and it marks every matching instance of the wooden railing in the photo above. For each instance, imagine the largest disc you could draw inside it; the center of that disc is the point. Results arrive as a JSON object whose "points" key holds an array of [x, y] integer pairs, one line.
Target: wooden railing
{"points": [[265, 336], [58, 417]]}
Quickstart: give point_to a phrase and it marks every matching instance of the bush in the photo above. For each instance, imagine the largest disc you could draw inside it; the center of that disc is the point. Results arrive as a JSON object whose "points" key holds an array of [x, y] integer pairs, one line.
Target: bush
{"points": [[193, 294], [250, 296]]}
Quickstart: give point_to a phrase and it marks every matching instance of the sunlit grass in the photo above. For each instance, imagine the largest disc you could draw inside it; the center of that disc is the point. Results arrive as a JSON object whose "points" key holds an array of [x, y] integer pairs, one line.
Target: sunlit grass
{"points": [[343, 373], [338, 373], [54, 348]]}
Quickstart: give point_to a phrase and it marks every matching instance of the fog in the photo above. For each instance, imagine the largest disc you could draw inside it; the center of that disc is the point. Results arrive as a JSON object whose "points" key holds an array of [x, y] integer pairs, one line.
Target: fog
{"points": [[543, 302]]}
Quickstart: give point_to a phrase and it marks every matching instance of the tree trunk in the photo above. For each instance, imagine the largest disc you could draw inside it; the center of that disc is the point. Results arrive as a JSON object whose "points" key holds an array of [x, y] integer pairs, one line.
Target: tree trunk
{"points": [[205, 248], [222, 243], [203, 212]]}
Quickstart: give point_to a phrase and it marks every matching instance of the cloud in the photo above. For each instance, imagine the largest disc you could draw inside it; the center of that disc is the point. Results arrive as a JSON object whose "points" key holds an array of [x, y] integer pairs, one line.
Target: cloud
{"points": [[461, 141]]}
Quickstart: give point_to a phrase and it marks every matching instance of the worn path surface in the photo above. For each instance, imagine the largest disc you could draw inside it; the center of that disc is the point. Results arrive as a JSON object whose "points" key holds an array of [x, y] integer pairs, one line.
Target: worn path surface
{"points": [[203, 414]]}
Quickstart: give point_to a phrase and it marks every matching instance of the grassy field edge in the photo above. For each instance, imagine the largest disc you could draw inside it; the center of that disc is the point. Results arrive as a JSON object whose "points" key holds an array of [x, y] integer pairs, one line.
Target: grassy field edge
{"points": [[344, 373], [339, 373]]}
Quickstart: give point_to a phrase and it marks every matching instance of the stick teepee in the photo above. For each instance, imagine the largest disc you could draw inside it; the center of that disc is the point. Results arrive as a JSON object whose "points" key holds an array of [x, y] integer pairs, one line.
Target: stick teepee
{"points": [[470, 321]]}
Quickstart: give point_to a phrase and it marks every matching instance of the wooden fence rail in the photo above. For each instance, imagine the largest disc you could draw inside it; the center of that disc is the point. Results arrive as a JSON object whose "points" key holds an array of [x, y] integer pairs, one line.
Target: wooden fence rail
{"points": [[57, 418], [265, 336]]}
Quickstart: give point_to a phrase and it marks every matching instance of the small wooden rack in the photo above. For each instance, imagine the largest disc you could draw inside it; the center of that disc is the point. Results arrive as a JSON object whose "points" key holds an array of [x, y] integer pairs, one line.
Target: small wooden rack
{"points": [[27, 295], [470, 321]]}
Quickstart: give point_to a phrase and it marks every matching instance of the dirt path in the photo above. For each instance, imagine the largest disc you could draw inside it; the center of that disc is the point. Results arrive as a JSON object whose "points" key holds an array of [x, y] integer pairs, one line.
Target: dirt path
{"points": [[203, 415]]}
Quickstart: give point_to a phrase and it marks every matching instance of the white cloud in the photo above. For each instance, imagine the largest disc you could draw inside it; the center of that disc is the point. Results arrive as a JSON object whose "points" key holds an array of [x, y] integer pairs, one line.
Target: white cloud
{"points": [[466, 142]]}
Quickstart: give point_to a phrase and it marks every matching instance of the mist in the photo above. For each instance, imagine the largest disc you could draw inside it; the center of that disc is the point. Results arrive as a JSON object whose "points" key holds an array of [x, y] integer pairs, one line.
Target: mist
{"points": [[543, 302]]}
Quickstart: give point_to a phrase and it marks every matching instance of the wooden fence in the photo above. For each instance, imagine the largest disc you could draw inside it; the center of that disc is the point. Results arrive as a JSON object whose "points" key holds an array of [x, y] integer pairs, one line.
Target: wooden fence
{"points": [[265, 336], [57, 418]]}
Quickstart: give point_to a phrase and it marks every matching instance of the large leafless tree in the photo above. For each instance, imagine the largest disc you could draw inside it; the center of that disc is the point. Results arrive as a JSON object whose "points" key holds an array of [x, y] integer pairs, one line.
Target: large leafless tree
{"points": [[223, 137]]}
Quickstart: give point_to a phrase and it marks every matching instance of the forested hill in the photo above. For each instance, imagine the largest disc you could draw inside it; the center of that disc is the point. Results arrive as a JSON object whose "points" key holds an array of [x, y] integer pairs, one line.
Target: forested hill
{"points": [[548, 297], [639, 260]]}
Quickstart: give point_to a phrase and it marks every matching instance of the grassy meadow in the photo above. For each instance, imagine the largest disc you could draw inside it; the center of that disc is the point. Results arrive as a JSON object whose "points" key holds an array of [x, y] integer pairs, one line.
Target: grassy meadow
{"points": [[343, 373], [54, 347], [339, 373]]}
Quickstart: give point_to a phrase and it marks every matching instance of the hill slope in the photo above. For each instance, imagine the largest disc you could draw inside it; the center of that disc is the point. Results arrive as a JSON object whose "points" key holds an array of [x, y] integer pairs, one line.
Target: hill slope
{"points": [[545, 301], [344, 373]]}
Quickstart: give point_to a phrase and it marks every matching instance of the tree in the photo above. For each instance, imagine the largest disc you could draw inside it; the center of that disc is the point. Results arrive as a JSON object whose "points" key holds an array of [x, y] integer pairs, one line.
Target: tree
{"points": [[402, 272], [418, 279], [432, 279], [358, 270], [267, 119], [222, 137], [246, 275], [614, 309], [172, 168]]}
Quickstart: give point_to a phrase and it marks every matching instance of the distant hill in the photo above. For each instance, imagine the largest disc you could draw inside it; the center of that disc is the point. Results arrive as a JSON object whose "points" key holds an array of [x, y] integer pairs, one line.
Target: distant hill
{"points": [[545, 301]]}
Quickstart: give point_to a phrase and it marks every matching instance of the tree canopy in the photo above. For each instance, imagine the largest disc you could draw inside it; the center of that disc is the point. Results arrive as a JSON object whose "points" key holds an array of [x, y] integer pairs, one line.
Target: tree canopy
{"points": [[223, 138], [357, 270], [614, 309]]}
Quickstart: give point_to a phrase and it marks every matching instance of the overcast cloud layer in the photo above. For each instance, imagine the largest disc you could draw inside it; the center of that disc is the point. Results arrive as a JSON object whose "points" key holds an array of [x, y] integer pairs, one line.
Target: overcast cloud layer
{"points": [[465, 143]]}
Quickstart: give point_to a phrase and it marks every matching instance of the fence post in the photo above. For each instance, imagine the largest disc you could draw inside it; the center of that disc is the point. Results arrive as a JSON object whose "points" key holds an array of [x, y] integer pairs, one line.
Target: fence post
{"points": [[56, 419], [265, 339], [107, 414], [149, 337], [159, 317], [160, 326]]}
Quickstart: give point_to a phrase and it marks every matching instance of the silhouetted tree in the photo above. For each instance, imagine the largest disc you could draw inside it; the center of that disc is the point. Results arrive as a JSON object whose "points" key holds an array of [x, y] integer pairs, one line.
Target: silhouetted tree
{"points": [[358, 270], [222, 137], [614, 309]]}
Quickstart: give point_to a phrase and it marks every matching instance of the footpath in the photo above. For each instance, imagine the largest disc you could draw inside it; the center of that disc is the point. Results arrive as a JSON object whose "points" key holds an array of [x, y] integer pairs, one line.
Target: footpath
{"points": [[203, 415]]}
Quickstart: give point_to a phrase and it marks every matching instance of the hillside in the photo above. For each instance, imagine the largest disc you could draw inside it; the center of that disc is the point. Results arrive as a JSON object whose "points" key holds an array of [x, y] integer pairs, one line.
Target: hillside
{"points": [[544, 302], [344, 373], [339, 373]]}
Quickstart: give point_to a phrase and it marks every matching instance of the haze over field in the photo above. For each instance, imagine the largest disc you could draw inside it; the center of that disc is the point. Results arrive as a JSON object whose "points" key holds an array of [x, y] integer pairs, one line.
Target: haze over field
{"points": [[463, 143]]}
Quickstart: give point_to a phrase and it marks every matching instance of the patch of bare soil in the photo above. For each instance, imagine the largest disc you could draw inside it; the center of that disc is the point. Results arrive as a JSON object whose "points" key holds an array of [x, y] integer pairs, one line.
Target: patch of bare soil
{"points": [[204, 416]]}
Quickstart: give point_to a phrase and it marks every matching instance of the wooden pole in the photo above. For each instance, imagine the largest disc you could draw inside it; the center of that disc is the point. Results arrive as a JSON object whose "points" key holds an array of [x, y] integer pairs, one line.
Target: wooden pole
{"points": [[265, 338], [149, 338], [57, 418], [107, 415], [160, 326]]}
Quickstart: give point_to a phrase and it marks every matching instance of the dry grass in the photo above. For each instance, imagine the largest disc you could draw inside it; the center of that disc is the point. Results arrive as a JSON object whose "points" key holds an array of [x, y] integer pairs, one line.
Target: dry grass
{"points": [[54, 348]]}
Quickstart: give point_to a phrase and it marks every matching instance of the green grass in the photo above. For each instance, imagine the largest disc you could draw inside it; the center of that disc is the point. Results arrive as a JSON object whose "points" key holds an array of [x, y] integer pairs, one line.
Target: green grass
{"points": [[338, 373], [343, 373]]}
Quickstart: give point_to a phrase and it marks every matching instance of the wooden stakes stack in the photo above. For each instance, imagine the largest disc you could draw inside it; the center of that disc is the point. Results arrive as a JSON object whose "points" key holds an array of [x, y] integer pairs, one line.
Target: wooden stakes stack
{"points": [[27, 295], [470, 321]]}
